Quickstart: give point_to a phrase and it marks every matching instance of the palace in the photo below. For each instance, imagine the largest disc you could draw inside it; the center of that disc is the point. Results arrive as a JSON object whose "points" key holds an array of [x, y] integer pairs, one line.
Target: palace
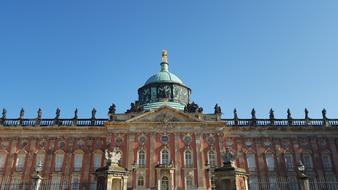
{"points": [[167, 142]]}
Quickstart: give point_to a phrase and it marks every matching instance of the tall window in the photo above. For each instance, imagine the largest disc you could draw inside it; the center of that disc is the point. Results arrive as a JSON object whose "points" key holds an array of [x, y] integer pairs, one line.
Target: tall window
{"points": [[270, 162], [78, 162], [2, 160], [251, 161], [141, 159], [140, 181], [327, 161], [56, 183], [165, 183], [188, 182], [164, 157], [20, 161], [212, 158], [97, 160], [288, 162], [307, 161], [75, 183], [58, 162], [40, 158], [188, 158]]}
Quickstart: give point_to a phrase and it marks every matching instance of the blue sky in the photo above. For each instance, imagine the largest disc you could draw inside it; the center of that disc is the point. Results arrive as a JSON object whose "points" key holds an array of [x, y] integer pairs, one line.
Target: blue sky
{"points": [[244, 54]]}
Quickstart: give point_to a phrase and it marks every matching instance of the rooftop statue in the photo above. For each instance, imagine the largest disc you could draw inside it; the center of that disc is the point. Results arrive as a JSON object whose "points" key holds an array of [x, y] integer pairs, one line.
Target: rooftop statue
{"points": [[39, 113], [75, 114], [324, 113], [193, 108], [22, 113], [164, 56], [134, 107], [4, 114], [57, 113], [93, 113], [306, 114], [271, 114], [112, 109], [218, 109], [289, 117], [253, 113], [235, 114]]}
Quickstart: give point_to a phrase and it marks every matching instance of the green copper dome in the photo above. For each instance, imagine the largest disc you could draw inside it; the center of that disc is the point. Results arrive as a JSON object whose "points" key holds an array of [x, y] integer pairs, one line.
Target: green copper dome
{"points": [[164, 76], [164, 89]]}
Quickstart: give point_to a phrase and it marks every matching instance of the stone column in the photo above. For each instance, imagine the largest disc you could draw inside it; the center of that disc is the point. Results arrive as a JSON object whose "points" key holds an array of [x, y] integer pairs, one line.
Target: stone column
{"points": [[130, 147], [178, 163], [172, 184], [152, 142]]}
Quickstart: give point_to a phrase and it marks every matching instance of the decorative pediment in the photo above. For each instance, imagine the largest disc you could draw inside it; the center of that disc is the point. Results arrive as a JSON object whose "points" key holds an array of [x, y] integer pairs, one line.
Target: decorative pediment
{"points": [[165, 114]]}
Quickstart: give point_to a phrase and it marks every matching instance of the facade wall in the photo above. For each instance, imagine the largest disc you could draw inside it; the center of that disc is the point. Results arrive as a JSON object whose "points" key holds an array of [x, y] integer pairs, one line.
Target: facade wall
{"points": [[292, 145]]}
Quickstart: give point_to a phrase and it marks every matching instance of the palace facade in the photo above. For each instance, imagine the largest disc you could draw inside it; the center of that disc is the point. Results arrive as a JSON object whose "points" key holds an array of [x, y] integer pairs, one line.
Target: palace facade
{"points": [[167, 142]]}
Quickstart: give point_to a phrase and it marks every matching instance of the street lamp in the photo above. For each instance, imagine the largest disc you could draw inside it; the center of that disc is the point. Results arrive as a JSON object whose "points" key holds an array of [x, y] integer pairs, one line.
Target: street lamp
{"points": [[301, 167]]}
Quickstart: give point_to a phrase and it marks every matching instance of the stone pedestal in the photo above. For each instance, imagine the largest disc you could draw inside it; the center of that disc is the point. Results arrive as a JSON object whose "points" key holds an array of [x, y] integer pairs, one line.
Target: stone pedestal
{"points": [[36, 182], [112, 177], [229, 177], [304, 182]]}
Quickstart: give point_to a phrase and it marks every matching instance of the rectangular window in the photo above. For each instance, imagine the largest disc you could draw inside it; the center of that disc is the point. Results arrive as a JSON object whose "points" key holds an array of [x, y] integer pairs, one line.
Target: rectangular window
{"points": [[270, 162], [307, 161], [2, 161], [58, 162], [97, 161], [78, 162], [56, 183], [327, 162], [40, 158], [250, 158], [75, 183], [20, 161], [288, 162]]}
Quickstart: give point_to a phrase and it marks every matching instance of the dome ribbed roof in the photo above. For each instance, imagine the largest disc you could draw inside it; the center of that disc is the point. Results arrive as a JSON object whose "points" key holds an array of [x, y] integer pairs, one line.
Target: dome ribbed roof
{"points": [[164, 77]]}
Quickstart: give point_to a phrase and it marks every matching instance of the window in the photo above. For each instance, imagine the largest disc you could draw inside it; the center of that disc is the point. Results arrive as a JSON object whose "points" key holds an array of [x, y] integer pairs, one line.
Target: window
{"points": [[188, 182], [270, 162], [253, 182], [58, 162], [78, 162], [327, 162], [212, 158], [2, 160], [75, 183], [251, 161], [307, 161], [40, 158], [288, 162], [165, 183], [141, 159], [20, 161], [56, 183], [188, 158], [97, 160], [164, 157], [16, 183], [140, 181]]}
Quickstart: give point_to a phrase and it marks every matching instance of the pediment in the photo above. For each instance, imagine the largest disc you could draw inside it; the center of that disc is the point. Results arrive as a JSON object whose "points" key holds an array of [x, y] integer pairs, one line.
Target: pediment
{"points": [[165, 114]]}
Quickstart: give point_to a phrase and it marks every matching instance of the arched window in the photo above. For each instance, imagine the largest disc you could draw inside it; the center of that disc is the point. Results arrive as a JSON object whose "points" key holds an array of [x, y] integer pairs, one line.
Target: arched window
{"points": [[3, 157], [140, 181], [59, 161], [188, 158], [20, 161], [75, 183], [164, 156], [78, 161], [40, 159], [188, 182], [251, 161], [165, 183], [327, 163], [97, 160], [141, 159], [212, 158], [270, 162]]}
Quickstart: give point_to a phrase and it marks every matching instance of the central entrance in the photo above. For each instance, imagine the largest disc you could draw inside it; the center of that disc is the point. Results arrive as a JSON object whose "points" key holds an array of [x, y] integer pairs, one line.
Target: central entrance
{"points": [[165, 183]]}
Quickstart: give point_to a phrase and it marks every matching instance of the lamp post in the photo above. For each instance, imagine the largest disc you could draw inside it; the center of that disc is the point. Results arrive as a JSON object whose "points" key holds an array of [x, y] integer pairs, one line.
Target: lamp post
{"points": [[303, 178], [36, 179]]}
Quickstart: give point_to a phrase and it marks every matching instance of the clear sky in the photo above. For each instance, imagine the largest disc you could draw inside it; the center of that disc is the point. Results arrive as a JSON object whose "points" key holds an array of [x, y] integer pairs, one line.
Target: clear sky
{"points": [[238, 53]]}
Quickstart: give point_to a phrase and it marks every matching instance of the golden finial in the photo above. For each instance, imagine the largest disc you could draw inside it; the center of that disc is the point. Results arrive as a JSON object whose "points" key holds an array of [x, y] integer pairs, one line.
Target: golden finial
{"points": [[164, 56]]}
